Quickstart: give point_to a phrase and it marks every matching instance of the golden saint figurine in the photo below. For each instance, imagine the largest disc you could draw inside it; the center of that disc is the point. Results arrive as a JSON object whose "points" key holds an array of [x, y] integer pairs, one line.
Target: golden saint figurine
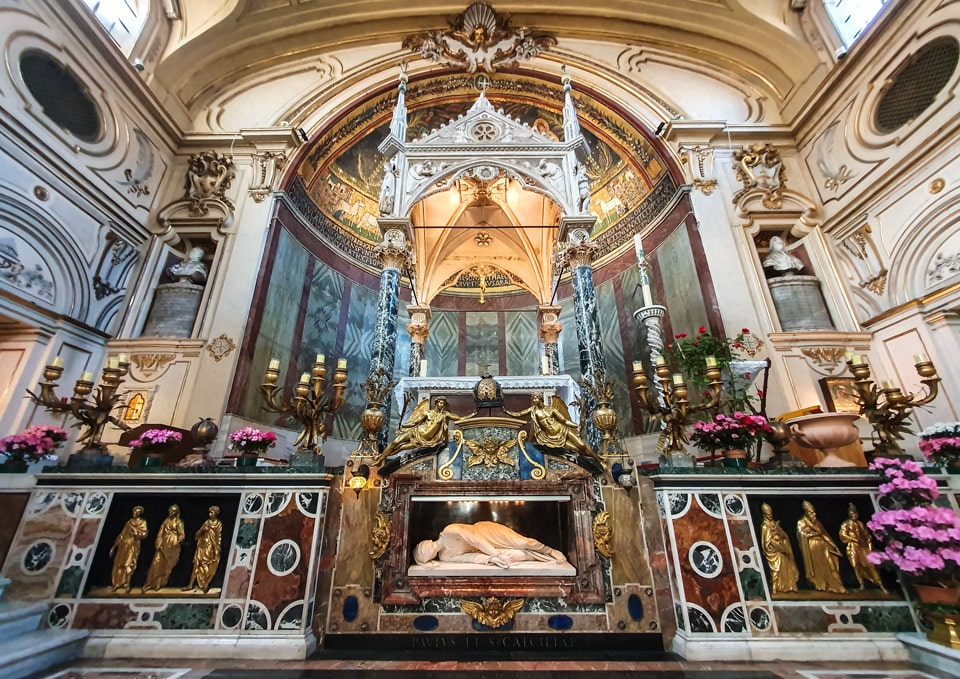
{"points": [[859, 543], [778, 552], [167, 550], [821, 556], [427, 428], [207, 557], [551, 426], [126, 550]]}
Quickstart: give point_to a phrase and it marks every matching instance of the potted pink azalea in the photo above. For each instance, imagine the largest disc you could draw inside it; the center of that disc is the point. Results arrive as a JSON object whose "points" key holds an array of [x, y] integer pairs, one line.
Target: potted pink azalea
{"points": [[30, 445], [730, 434], [919, 540], [251, 443], [153, 443]]}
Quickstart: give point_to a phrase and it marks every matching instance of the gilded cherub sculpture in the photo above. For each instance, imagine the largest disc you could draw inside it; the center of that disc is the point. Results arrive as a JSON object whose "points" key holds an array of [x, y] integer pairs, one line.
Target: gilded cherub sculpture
{"points": [[551, 427], [427, 428]]}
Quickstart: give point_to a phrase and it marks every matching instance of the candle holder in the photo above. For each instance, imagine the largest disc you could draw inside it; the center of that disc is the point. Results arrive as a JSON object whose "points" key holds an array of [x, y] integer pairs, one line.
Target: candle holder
{"points": [[378, 386], [310, 404], [604, 418], [887, 408], [93, 414], [675, 407]]}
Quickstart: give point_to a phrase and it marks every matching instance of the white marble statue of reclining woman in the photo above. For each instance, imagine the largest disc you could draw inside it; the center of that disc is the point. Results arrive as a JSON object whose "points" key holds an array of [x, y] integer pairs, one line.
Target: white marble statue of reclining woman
{"points": [[484, 542]]}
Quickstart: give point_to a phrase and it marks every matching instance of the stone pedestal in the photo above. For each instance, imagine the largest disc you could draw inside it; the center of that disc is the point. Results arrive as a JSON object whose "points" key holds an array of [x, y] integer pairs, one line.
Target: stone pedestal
{"points": [[799, 303], [174, 310]]}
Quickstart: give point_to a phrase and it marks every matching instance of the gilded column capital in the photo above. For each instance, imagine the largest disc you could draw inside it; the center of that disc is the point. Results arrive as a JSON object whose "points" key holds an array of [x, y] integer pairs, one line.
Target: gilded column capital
{"points": [[418, 332], [576, 255], [394, 251], [550, 332]]}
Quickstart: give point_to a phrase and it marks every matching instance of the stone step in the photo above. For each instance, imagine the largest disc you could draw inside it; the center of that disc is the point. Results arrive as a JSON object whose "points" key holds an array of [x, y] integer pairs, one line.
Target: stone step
{"points": [[36, 651], [18, 618]]}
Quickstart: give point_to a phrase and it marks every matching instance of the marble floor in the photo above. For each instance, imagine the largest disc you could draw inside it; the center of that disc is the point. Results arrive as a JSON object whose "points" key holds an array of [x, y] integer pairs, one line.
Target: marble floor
{"points": [[540, 669]]}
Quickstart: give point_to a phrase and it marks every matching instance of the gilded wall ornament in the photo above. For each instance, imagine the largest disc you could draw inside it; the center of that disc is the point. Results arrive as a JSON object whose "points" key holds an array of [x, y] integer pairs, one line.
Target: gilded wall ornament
{"points": [[492, 612], [480, 39], [220, 347], [148, 364], [603, 534], [490, 452], [379, 536], [761, 168], [699, 160], [208, 177], [876, 284], [266, 171], [825, 357]]}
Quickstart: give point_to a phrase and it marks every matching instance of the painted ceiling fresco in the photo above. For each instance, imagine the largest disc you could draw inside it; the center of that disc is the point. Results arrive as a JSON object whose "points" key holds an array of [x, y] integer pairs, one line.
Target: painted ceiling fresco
{"points": [[337, 185]]}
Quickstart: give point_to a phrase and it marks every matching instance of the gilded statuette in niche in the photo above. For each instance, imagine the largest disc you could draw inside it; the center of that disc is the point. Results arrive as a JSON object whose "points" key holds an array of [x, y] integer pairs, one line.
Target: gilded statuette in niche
{"points": [[603, 534], [492, 612], [126, 550], [857, 539], [821, 556], [167, 550], [380, 535], [206, 559], [777, 550]]}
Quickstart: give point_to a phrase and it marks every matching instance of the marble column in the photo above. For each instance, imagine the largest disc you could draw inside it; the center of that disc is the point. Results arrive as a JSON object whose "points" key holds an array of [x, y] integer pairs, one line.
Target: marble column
{"points": [[419, 331], [549, 332], [394, 253], [579, 255]]}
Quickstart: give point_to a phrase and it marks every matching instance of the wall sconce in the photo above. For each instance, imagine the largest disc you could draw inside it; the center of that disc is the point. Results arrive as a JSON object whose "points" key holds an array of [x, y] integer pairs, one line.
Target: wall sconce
{"points": [[359, 479]]}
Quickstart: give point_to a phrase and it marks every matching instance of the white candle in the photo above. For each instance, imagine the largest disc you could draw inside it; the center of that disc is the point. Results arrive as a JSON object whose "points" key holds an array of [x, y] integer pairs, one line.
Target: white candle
{"points": [[921, 358], [637, 366], [661, 360], [677, 378], [321, 358], [856, 360], [86, 377], [305, 378], [342, 363], [423, 367], [544, 365], [887, 385], [57, 362], [647, 296], [711, 361], [123, 358], [274, 364], [113, 363]]}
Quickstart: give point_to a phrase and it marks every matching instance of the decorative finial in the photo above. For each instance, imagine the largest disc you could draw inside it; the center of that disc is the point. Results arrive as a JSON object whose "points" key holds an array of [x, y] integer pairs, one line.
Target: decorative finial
{"points": [[403, 72], [565, 79]]}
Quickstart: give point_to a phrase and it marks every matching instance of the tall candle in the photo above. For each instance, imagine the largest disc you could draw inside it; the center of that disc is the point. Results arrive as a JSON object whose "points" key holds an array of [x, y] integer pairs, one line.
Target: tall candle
{"points": [[711, 361], [86, 377], [57, 362], [423, 367], [342, 363], [274, 364], [321, 358], [647, 297], [544, 365]]}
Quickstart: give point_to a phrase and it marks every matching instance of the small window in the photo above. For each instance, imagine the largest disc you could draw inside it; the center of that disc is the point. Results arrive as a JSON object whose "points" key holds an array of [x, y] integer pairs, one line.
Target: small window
{"points": [[851, 17], [915, 85], [122, 19], [63, 98]]}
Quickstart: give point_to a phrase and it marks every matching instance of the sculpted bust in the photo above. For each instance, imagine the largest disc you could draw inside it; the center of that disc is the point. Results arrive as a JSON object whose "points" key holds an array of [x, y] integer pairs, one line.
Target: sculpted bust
{"points": [[780, 262], [192, 268]]}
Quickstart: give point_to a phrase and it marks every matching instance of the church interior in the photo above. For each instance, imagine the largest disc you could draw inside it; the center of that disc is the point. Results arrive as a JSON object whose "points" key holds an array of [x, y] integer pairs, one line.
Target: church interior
{"points": [[489, 337]]}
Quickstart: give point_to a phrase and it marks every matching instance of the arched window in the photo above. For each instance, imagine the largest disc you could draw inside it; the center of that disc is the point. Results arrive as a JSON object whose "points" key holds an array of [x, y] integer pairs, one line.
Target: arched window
{"points": [[123, 19], [851, 17]]}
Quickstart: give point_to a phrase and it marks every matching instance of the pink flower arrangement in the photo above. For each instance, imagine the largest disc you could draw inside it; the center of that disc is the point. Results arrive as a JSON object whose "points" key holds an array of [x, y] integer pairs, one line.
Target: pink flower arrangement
{"points": [[33, 443], [252, 440], [916, 538], [940, 443], [156, 440], [730, 432]]}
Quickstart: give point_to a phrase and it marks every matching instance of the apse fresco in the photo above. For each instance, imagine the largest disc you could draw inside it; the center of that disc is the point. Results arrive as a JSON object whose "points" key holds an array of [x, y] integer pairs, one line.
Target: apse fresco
{"points": [[341, 174]]}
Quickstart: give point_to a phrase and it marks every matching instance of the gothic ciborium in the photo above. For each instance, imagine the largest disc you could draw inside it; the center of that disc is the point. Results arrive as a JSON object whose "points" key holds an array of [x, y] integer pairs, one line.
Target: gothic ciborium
{"points": [[826, 432]]}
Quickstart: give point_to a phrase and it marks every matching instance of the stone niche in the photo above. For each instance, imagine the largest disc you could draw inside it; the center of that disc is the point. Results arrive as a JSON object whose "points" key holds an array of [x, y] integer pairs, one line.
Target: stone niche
{"points": [[556, 513]]}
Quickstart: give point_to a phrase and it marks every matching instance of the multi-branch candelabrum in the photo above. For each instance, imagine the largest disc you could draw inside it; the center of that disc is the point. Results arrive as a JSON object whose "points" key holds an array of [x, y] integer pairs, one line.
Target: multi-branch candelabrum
{"points": [[93, 414], [886, 407], [675, 406], [373, 419], [310, 404]]}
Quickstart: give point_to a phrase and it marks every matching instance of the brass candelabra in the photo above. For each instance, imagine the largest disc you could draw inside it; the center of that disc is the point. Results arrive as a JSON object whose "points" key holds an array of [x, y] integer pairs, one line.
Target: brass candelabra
{"points": [[886, 407], [310, 404], [675, 407], [373, 419], [93, 414]]}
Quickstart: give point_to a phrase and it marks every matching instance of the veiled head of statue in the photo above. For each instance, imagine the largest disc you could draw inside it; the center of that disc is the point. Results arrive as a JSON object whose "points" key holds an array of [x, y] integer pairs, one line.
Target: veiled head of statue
{"points": [[426, 551]]}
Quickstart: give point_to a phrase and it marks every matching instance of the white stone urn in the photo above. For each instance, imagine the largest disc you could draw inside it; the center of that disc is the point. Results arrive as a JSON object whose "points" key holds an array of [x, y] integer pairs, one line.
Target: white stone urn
{"points": [[826, 432]]}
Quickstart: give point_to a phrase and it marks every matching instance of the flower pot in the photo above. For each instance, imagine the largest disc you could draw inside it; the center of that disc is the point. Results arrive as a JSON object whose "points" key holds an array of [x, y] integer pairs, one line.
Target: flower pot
{"points": [[14, 467], [735, 459], [247, 459], [930, 594], [151, 460]]}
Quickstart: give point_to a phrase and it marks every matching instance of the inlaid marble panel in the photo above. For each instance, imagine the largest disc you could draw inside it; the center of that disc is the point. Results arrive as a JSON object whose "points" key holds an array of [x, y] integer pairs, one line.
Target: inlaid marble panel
{"points": [[523, 342], [442, 346], [482, 342]]}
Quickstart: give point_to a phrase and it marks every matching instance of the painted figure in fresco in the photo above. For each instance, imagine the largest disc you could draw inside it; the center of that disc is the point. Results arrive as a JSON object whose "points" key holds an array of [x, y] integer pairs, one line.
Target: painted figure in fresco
{"points": [[778, 552], [780, 262], [126, 550], [551, 426], [207, 557], [167, 552], [821, 556], [484, 542], [426, 428], [859, 543], [192, 268]]}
